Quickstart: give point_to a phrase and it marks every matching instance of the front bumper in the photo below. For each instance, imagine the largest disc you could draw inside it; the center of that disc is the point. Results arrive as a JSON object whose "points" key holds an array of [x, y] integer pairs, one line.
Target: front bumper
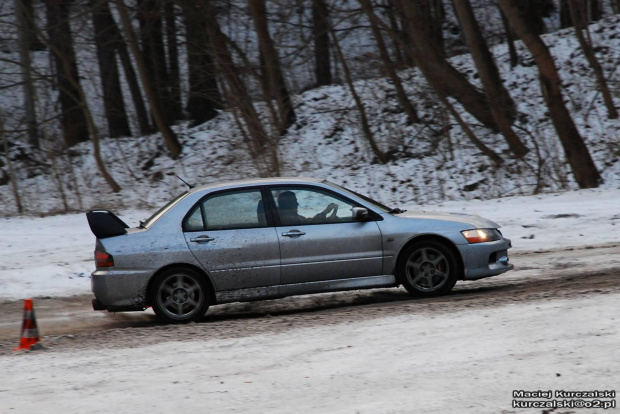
{"points": [[485, 259], [120, 290]]}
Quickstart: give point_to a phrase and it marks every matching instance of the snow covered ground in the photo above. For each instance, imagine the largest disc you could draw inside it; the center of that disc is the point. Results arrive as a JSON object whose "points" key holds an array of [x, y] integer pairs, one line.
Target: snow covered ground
{"points": [[468, 362]]}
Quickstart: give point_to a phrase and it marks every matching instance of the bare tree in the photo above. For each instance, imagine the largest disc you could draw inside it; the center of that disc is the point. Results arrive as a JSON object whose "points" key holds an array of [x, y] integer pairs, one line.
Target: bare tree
{"points": [[322, 61], [204, 97], [173, 59], [590, 10], [435, 14], [172, 142], [25, 33], [12, 177], [60, 38], [275, 85], [397, 35], [577, 153], [534, 12], [381, 155], [512, 50], [27, 20], [260, 145], [499, 100], [442, 76], [578, 14], [470, 134], [113, 103], [150, 17], [388, 65], [120, 46]]}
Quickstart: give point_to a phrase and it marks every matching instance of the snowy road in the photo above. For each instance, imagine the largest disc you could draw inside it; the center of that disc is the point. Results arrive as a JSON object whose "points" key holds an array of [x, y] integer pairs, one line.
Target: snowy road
{"points": [[554, 273], [376, 351]]}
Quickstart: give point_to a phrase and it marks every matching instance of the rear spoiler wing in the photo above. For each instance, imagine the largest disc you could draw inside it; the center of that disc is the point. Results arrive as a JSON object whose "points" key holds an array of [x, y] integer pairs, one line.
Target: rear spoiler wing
{"points": [[104, 223]]}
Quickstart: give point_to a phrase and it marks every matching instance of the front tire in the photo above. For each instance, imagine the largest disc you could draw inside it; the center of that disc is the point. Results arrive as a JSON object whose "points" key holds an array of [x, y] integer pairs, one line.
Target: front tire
{"points": [[428, 268], [179, 295]]}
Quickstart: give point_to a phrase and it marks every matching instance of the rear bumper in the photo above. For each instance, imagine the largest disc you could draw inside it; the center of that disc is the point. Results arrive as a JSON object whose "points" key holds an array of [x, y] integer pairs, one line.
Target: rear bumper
{"points": [[486, 259], [120, 290]]}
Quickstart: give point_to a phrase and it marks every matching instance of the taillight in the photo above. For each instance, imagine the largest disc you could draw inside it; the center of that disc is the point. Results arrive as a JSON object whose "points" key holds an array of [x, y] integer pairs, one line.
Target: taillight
{"points": [[103, 259]]}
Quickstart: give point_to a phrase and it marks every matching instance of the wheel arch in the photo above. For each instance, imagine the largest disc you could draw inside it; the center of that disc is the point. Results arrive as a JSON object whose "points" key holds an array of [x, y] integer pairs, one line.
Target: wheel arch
{"points": [[436, 238], [194, 268]]}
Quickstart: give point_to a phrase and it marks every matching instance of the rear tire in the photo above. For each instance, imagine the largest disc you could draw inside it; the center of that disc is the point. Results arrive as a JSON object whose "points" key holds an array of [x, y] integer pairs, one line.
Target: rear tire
{"points": [[428, 268], [180, 295]]}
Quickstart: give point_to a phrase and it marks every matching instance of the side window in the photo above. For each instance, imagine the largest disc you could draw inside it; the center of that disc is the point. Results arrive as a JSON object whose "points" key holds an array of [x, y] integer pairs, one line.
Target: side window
{"points": [[303, 205], [238, 209], [194, 221]]}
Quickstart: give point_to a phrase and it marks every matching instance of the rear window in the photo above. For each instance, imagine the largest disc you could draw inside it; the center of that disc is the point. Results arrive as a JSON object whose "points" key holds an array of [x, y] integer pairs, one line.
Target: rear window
{"points": [[149, 222]]}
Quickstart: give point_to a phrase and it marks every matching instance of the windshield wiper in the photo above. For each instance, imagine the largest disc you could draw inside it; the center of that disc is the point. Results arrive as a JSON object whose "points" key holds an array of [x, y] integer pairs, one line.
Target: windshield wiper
{"points": [[396, 211]]}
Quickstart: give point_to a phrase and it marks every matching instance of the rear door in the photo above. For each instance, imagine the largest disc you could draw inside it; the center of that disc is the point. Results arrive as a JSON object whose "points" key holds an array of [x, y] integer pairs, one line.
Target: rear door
{"points": [[320, 245], [234, 240]]}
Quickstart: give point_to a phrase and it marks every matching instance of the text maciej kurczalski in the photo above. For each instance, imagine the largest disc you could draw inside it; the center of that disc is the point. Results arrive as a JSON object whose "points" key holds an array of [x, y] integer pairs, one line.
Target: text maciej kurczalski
{"points": [[563, 394]]}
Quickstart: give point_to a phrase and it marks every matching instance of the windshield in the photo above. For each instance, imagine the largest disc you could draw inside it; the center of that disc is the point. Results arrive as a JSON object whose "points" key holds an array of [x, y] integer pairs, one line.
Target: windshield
{"points": [[148, 222], [369, 200]]}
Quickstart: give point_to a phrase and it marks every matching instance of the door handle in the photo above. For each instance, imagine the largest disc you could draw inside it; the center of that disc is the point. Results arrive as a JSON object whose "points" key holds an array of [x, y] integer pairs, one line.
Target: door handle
{"points": [[293, 233], [201, 239]]}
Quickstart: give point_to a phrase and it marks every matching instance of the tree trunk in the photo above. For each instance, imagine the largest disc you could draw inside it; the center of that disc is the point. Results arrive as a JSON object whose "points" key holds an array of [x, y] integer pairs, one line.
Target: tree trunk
{"points": [[402, 59], [113, 103], [439, 73], [120, 46], [276, 86], [204, 96], [578, 18], [173, 60], [577, 153], [134, 87], [435, 15], [512, 50], [499, 100], [565, 15], [73, 122], [595, 10], [403, 35], [259, 144], [322, 61], [31, 31], [94, 133], [12, 177], [387, 63], [470, 134], [172, 142], [533, 12], [149, 14], [381, 156], [25, 33]]}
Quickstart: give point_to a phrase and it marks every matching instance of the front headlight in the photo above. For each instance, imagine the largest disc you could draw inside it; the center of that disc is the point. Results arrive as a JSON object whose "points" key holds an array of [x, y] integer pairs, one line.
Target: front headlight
{"points": [[481, 235]]}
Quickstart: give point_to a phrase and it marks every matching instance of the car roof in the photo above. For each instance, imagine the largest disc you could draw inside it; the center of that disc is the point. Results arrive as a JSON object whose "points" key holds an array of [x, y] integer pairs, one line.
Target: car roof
{"points": [[257, 181]]}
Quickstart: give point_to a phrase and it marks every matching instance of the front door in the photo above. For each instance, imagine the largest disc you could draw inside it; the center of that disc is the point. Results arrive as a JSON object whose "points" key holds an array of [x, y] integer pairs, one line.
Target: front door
{"points": [[229, 235], [319, 241]]}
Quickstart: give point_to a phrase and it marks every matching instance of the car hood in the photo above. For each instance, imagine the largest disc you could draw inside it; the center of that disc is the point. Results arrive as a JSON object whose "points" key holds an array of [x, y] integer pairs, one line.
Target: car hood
{"points": [[469, 219]]}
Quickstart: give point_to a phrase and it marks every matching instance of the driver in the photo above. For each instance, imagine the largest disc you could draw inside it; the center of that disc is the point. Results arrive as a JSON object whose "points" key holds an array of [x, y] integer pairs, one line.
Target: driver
{"points": [[287, 208]]}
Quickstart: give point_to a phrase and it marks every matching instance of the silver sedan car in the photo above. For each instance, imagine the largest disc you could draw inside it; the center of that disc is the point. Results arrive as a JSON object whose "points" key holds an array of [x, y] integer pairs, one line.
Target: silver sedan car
{"points": [[271, 238]]}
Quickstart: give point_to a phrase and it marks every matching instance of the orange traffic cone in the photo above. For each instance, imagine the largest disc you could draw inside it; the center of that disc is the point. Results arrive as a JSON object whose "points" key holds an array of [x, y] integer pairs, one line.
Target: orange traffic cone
{"points": [[30, 333]]}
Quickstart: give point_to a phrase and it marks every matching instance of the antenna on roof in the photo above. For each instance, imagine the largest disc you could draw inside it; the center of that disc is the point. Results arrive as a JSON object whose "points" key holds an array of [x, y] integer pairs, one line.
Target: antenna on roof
{"points": [[186, 183]]}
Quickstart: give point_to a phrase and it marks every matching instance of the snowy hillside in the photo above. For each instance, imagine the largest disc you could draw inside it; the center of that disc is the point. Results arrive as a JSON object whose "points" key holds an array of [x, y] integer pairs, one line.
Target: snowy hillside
{"points": [[432, 161]]}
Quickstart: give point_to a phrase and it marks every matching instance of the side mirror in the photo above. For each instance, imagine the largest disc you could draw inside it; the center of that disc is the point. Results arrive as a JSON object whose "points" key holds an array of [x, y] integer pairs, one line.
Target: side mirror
{"points": [[359, 213]]}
